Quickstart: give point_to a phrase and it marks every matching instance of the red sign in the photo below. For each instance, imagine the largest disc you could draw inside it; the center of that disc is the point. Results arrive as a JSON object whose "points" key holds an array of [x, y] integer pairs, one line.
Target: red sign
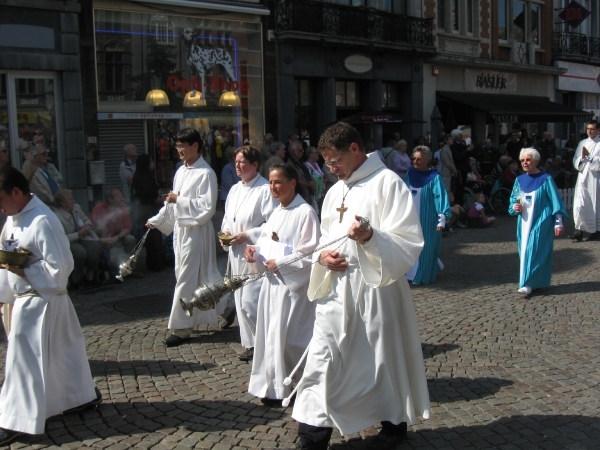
{"points": [[215, 84], [574, 14]]}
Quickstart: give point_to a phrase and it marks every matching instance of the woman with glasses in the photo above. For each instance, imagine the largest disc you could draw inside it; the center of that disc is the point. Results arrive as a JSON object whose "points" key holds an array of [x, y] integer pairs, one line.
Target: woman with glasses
{"points": [[535, 200], [431, 200], [248, 206]]}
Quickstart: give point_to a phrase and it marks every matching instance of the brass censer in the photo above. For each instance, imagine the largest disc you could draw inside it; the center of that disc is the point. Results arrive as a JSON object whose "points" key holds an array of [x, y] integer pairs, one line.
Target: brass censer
{"points": [[207, 295], [126, 267]]}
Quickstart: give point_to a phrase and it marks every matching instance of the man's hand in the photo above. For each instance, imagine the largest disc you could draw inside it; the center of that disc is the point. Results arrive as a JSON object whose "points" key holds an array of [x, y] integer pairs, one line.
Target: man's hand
{"points": [[172, 197], [84, 230], [585, 152], [129, 179], [149, 225], [357, 233], [333, 261], [240, 238], [271, 266]]}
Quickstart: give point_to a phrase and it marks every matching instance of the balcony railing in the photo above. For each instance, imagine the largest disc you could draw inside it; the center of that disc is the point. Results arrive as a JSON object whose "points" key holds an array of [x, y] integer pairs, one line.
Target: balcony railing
{"points": [[574, 44], [350, 21]]}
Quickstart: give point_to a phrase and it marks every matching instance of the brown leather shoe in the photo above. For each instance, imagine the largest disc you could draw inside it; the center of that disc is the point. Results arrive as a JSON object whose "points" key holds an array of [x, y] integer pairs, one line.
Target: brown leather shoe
{"points": [[248, 355]]}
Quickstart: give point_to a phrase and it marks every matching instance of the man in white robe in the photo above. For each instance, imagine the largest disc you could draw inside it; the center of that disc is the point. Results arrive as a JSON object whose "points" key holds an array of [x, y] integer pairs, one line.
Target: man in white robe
{"points": [[586, 206], [364, 363], [46, 371], [187, 213]]}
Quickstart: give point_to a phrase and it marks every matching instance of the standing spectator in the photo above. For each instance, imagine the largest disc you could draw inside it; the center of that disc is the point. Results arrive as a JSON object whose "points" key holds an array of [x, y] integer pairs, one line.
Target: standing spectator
{"points": [[311, 156], [84, 243], [42, 183], [285, 318], [586, 200], [112, 224], [277, 157], [296, 153], [448, 168], [571, 142], [461, 153], [489, 157], [46, 369], [541, 213], [127, 169], [401, 159], [187, 212], [148, 202], [388, 152], [431, 202], [364, 363], [547, 149], [249, 205], [514, 146], [229, 176], [265, 150]]}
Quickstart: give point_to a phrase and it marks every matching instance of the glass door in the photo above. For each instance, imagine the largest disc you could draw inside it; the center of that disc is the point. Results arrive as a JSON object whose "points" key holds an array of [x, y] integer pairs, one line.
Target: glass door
{"points": [[28, 115]]}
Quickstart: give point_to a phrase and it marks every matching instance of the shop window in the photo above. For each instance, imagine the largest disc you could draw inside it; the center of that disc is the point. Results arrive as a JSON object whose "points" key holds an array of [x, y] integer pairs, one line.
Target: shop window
{"points": [[389, 95], [303, 93], [346, 94]]}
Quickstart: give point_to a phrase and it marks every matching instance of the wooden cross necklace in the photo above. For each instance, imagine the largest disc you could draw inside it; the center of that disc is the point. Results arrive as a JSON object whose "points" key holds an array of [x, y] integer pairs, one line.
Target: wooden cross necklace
{"points": [[342, 209]]}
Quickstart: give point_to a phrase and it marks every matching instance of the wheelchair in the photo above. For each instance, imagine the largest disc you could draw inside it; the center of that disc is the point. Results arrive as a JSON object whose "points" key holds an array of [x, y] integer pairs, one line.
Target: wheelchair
{"points": [[497, 198]]}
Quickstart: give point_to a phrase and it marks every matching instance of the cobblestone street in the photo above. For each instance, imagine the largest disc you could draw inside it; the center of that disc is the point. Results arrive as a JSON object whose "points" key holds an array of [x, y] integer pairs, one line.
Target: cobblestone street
{"points": [[503, 371]]}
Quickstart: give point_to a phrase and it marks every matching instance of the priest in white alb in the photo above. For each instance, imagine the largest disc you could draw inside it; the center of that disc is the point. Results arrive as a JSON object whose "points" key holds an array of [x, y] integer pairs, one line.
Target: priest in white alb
{"points": [[586, 200], [364, 364], [187, 213], [47, 370]]}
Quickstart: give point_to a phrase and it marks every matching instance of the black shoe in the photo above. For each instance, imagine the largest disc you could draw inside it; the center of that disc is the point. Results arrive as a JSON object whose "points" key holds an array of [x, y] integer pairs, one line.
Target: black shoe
{"points": [[248, 355], [593, 237], [7, 436], [174, 340], [94, 402], [228, 321], [304, 444], [386, 440], [577, 236], [275, 402]]}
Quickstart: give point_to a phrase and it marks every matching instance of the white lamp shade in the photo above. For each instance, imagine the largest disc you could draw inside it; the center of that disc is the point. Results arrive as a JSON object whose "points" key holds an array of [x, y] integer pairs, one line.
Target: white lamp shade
{"points": [[194, 99], [157, 97], [229, 99]]}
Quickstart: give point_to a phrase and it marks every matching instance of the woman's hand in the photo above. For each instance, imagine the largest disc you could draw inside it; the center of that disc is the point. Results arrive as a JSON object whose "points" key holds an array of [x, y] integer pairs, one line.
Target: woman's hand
{"points": [[240, 238], [440, 228], [271, 266], [16, 270], [517, 207], [149, 225], [249, 254], [558, 231]]}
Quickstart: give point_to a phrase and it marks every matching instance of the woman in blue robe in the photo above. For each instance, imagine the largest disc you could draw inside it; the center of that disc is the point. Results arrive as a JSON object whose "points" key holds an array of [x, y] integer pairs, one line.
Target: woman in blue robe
{"points": [[431, 200], [535, 200]]}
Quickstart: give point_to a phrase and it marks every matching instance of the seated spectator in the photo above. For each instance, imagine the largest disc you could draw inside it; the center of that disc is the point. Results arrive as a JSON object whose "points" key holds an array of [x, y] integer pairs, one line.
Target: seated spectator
{"points": [[458, 215], [510, 174], [562, 177], [85, 246], [477, 217], [113, 226], [45, 180], [474, 179]]}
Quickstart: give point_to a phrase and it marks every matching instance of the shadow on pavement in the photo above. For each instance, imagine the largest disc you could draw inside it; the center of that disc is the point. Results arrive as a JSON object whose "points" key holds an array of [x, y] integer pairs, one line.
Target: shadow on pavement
{"points": [[446, 390], [431, 350]]}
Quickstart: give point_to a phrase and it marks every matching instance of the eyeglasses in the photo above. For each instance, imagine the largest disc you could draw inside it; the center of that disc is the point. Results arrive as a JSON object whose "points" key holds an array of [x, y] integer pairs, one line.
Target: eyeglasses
{"points": [[416, 159], [335, 162]]}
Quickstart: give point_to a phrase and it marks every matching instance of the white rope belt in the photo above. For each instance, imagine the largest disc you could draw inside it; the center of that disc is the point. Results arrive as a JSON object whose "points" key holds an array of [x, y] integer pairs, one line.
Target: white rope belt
{"points": [[34, 293]]}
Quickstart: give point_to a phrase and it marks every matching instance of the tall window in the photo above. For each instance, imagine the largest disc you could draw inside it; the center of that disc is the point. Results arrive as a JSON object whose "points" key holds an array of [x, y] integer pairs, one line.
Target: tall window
{"points": [[457, 16], [346, 94], [389, 95], [518, 22], [536, 24], [441, 14], [162, 29], [502, 30]]}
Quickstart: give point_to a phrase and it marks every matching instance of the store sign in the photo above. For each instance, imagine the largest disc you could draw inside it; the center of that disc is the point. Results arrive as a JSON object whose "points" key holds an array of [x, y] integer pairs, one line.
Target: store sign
{"points": [[490, 82], [358, 64], [214, 84], [573, 14], [139, 116], [579, 77]]}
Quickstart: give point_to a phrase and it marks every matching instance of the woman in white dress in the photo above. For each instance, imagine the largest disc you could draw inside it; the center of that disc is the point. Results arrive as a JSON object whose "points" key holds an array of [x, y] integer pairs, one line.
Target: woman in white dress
{"points": [[247, 208], [285, 315]]}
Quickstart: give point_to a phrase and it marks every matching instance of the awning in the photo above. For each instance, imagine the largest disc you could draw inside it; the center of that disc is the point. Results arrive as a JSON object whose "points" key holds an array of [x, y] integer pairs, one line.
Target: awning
{"points": [[218, 6], [513, 108]]}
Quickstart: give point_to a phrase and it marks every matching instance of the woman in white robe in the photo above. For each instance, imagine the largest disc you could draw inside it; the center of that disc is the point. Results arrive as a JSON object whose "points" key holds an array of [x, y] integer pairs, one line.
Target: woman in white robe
{"points": [[247, 208], [47, 370], [285, 316]]}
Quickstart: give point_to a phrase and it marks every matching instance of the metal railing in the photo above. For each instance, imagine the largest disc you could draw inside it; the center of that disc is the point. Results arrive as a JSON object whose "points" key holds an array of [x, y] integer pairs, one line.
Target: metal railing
{"points": [[350, 21], [574, 44]]}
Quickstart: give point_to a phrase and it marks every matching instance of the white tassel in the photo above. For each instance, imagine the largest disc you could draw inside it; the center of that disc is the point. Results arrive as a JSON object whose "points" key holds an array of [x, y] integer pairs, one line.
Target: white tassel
{"points": [[287, 381], [286, 401]]}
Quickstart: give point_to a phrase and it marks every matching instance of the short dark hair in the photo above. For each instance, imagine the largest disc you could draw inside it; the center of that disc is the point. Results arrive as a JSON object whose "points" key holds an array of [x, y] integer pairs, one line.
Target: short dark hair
{"points": [[594, 122], [11, 178], [252, 154], [291, 173], [341, 136], [190, 136]]}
